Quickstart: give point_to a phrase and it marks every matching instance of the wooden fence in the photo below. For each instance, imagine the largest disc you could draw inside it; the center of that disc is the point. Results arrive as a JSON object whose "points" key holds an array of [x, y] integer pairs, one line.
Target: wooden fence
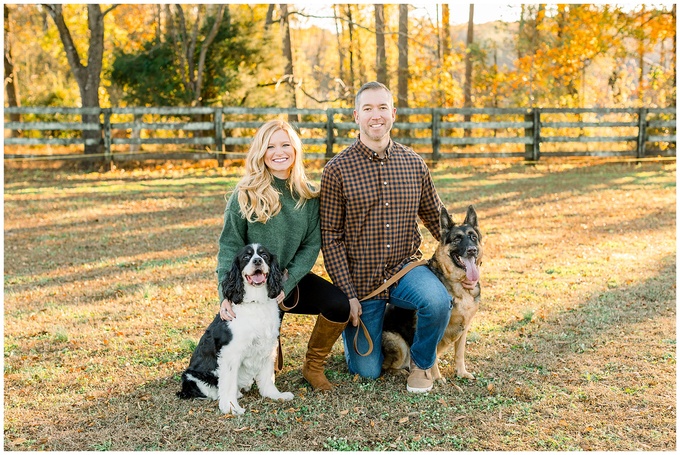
{"points": [[437, 134]]}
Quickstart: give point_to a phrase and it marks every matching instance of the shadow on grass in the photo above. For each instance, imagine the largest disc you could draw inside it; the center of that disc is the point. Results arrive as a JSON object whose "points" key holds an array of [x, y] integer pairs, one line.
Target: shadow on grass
{"points": [[150, 417]]}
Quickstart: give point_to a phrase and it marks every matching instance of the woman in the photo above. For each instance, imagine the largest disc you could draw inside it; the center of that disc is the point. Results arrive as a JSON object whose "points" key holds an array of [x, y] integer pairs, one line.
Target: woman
{"points": [[276, 205]]}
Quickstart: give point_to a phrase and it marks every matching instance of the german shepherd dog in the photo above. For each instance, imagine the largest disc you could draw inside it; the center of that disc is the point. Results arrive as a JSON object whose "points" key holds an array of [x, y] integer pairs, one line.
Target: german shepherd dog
{"points": [[458, 256]]}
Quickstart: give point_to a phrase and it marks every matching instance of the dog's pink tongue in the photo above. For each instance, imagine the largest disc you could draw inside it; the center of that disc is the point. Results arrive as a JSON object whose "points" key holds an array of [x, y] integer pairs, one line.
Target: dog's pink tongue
{"points": [[471, 270], [258, 277]]}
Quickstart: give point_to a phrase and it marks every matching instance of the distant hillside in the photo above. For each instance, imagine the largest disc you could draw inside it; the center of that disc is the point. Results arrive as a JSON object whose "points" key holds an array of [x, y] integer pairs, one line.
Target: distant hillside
{"points": [[501, 33]]}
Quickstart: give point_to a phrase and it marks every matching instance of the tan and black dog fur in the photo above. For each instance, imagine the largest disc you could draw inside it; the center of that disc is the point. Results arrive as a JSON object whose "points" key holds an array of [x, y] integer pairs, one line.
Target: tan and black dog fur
{"points": [[458, 255]]}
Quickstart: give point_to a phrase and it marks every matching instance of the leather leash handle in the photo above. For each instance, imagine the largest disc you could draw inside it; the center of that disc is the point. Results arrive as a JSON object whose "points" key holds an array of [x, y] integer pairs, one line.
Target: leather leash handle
{"points": [[362, 326], [407, 268]]}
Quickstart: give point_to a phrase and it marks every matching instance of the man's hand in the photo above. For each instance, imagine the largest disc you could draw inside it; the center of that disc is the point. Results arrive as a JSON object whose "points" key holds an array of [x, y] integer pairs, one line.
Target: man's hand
{"points": [[354, 311], [226, 312]]}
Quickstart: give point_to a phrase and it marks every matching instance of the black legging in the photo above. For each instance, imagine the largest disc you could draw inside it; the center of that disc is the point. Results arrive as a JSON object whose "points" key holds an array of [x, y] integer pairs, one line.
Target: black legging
{"points": [[315, 295]]}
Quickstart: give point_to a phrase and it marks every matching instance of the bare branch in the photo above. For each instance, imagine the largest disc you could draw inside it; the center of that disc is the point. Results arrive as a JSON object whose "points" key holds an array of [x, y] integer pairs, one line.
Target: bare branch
{"points": [[109, 10], [204, 49]]}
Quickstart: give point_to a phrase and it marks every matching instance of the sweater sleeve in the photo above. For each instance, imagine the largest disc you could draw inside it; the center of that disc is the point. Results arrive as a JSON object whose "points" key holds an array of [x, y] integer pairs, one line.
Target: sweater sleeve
{"points": [[232, 239], [308, 252]]}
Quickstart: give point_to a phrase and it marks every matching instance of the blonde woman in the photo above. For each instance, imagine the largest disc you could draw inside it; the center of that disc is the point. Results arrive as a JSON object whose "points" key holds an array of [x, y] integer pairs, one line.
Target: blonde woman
{"points": [[276, 205]]}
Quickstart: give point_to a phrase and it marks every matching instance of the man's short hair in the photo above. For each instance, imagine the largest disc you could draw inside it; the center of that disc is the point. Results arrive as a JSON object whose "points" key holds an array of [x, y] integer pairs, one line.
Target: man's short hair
{"points": [[373, 85]]}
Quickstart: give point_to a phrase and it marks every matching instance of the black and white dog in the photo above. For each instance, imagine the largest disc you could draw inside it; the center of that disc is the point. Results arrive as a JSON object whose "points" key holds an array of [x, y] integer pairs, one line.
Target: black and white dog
{"points": [[232, 354]]}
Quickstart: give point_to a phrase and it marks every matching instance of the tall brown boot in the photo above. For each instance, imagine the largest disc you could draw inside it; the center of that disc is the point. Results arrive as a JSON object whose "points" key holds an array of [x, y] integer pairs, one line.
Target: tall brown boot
{"points": [[319, 347]]}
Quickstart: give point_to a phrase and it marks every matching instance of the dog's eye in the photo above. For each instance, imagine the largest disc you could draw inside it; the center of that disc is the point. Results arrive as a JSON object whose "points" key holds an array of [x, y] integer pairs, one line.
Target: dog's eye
{"points": [[473, 237], [264, 256]]}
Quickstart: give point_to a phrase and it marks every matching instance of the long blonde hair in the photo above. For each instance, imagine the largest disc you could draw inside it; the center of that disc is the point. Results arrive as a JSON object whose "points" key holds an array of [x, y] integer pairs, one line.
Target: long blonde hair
{"points": [[257, 197]]}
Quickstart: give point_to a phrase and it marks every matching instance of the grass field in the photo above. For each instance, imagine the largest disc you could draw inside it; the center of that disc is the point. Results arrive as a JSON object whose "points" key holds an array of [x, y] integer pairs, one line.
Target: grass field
{"points": [[109, 282]]}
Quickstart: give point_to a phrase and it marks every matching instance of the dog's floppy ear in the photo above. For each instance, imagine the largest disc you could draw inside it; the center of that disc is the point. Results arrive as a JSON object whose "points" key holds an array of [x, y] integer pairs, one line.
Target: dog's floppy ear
{"points": [[232, 286], [274, 279], [471, 218], [445, 222]]}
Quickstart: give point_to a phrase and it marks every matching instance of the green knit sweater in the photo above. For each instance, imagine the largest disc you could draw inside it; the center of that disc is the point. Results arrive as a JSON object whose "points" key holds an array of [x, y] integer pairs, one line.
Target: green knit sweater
{"points": [[293, 235]]}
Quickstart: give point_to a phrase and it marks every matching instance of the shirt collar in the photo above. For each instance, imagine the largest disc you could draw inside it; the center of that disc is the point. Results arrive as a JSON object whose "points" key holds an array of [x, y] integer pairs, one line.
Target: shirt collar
{"points": [[370, 154]]}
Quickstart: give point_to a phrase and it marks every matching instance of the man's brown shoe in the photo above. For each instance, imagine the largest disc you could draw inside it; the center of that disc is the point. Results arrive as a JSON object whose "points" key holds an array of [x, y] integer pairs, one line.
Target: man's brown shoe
{"points": [[419, 381]]}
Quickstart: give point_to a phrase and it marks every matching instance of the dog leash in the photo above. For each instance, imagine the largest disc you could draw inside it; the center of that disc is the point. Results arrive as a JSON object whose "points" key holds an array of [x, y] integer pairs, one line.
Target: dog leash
{"points": [[407, 268]]}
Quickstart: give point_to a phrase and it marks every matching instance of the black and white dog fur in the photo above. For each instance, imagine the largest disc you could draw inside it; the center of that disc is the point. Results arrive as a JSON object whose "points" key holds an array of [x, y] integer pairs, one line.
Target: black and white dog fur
{"points": [[232, 354]]}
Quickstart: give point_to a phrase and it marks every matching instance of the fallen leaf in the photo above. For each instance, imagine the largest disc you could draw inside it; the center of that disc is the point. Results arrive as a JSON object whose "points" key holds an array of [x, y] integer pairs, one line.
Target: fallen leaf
{"points": [[344, 412], [403, 420]]}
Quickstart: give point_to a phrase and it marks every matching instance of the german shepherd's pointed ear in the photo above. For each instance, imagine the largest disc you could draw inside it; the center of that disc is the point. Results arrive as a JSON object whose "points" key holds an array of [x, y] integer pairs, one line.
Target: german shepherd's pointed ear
{"points": [[274, 278], [445, 222], [471, 218], [232, 286]]}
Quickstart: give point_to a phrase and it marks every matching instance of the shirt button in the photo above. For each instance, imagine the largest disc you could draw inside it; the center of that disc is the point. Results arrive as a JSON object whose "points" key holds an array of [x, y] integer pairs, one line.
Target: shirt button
{"points": [[387, 225], [385, 183], [387, 204], [388, 246]]}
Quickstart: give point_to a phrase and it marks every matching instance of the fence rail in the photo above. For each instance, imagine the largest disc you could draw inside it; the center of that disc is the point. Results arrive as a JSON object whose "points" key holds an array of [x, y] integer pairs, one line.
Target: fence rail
{"points": [[436, 133]]}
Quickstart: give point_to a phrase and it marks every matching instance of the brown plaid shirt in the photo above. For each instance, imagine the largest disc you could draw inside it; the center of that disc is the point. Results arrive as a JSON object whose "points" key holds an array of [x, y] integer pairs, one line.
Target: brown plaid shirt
{"points": [[369, 212]]}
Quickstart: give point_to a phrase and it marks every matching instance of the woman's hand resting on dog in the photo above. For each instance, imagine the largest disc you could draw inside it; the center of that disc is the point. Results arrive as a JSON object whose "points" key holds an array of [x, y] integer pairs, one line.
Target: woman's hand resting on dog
{"points": [[227, 313]]}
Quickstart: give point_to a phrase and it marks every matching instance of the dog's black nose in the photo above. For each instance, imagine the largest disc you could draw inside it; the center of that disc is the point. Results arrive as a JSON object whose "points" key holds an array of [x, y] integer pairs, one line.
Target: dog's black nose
{"points": [[471, 251], [257, 261]]}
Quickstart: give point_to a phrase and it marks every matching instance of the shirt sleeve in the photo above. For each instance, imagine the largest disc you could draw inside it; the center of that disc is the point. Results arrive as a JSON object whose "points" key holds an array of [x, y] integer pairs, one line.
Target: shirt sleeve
{"points": [[332, 212], [305, 256], [430, 204], [232, 239]]}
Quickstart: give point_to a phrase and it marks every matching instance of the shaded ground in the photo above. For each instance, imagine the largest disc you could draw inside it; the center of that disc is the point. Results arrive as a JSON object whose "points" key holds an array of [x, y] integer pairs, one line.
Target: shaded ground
{"points": [[109, 280]]}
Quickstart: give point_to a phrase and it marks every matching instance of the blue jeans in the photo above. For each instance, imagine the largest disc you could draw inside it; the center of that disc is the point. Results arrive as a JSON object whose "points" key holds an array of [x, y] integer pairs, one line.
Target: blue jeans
{"points": [[418, 290]]}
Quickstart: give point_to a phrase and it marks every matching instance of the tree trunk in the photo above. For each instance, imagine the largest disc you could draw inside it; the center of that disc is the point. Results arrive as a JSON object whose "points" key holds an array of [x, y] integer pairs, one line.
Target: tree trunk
{"points": [[11, 85], [402, 73], [380, 54], [87, 76], [673, 62], [402, 44], [198, 95], [339, 32], [350, 30], [288, 54], [467, 87], [269, 19], [446, 31]]}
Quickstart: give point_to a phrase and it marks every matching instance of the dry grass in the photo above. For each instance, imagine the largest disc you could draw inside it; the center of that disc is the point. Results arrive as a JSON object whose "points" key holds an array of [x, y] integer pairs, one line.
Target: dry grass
{"points": [[109, 281]]}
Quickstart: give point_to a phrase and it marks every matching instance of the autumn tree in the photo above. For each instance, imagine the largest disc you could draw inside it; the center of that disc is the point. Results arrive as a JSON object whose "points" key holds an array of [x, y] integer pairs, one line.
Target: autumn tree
{"points": [[87, 76], [380, 54], [189, 63], [11, 86], [289, 75], [467, 88], [403, 72]]}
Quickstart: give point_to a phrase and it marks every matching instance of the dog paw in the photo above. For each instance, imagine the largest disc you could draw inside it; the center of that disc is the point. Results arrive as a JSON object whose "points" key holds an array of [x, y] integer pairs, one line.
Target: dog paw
{"points": [[441, 380], [231, 408], [285, 396], [465, 375]]}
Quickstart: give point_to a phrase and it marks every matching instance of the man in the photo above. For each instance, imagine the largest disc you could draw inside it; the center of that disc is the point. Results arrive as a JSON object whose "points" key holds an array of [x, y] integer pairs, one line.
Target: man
{"points": [[372, 194]]}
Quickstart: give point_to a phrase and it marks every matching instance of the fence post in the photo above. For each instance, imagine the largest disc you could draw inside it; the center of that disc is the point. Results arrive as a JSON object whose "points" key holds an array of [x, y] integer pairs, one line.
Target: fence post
{"points": [[529, 132], [217, 119], [330, 136], [435, 134], [537, 134], [107, 134], [532, 152], [642, 132]]}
